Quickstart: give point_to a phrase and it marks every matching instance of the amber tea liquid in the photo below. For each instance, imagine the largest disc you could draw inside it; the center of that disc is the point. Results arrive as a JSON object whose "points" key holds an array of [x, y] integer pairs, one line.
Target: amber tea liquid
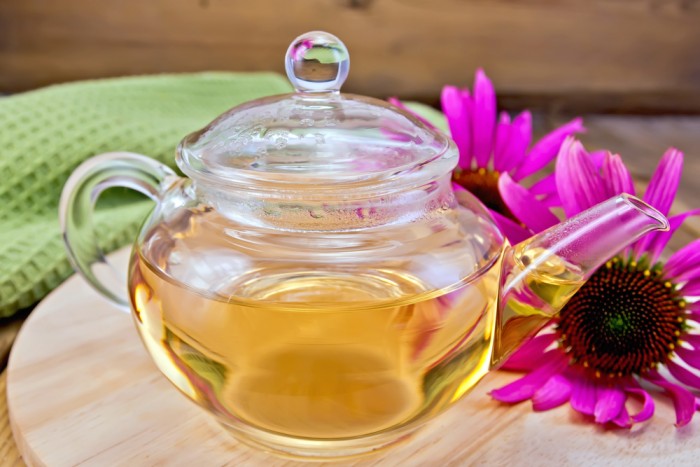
{"points": [[323, 354]]}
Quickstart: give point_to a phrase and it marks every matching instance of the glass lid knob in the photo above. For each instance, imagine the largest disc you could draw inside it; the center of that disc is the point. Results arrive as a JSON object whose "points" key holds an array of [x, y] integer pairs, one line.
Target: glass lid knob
{"points": [[317, 62]]}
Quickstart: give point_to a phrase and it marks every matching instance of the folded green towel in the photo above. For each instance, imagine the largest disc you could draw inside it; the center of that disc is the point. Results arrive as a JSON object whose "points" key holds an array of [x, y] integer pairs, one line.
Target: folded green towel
{"points": [[46, 134]]}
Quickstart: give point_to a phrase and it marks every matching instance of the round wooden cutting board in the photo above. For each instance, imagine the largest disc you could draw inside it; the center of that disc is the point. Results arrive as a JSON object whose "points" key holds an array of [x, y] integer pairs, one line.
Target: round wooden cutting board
{"points": [[82, 390]]}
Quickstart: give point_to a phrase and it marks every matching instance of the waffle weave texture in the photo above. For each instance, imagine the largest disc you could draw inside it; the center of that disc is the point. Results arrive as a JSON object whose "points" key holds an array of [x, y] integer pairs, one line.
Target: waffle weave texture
{"points": [[46, 134]]}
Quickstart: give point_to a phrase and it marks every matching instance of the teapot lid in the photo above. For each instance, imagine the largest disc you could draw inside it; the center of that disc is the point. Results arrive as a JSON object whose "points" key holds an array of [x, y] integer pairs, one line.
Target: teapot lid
{"points": [[316, 137]]}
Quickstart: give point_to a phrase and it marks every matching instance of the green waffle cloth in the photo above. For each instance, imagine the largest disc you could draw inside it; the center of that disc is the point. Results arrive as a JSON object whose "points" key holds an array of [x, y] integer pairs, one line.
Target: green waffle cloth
{"points": [[46, 134]]}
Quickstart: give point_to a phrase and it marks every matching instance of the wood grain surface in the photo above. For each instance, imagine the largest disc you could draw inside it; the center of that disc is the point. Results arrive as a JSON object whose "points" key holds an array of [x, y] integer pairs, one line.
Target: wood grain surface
{"points": [[9, 455], [592, 55], [81, 390]]}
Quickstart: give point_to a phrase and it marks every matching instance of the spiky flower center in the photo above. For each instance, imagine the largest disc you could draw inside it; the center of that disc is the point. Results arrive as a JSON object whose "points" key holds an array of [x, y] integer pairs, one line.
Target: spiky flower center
{"points": [[483, 184], [626, 319]]}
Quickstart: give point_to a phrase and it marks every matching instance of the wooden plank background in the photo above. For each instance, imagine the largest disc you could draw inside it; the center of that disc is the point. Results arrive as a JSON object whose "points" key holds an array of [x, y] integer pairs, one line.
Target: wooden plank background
{"points": [[567, 55]]}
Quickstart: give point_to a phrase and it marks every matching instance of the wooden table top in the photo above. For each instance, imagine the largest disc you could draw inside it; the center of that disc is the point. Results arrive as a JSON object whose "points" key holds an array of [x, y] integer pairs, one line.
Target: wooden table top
{"points": [[640, 140], [9, 455]]}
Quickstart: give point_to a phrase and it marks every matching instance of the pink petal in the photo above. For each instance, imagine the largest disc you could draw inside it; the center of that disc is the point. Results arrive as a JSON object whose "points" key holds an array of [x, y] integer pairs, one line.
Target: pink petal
{"points": [[664, 183], [454, 105], [551, 201], [547, 148], [456, 187], [683, 400], [554, 393], [546, 191], [690, 357], [530, 353], [683, 375], [484, 118], [692, 314], [546, 186], [647, 410], [578, 182], [623, 419], [685, 263], [598, 157], [691, 289], [514, 232], [692, 339], [609, 402], [396, 102], [553, 362], [655, 242], [583, 398], [524, 205], [616, 177], [692, 273], [520, 137], [503, 134]]}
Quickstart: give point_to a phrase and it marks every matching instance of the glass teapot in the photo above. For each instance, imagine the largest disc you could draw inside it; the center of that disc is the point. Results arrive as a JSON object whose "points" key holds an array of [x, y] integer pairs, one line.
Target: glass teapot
{"points": [[315, 283]]}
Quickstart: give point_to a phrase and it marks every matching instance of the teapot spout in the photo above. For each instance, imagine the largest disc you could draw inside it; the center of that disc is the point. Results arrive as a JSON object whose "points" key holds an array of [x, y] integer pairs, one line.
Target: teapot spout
{"points": [[541, 274]]}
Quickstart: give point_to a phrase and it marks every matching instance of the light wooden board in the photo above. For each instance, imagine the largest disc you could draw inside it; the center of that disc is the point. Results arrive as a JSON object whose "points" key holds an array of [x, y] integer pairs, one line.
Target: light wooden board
{"points": [[592, 55], [81, 390]]}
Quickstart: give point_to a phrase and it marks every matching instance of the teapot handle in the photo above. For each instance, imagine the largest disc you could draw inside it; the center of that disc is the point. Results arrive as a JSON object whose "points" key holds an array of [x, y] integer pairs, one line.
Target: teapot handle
{"points": [[80, 193]]}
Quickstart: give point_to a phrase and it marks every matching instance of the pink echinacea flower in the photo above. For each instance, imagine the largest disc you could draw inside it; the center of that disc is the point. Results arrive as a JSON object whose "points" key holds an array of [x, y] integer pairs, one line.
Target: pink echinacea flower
{"points": [[631, 330]]}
